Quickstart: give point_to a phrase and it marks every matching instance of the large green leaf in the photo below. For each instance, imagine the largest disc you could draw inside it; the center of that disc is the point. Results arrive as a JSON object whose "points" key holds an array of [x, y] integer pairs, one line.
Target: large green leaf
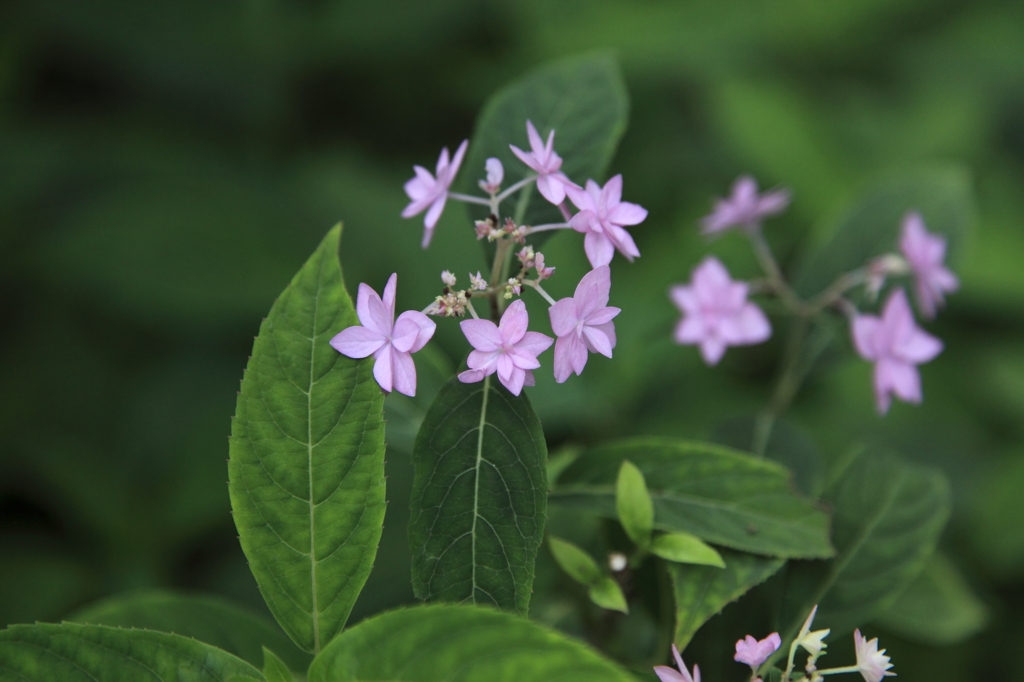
{"points": [[86, 653], [720, 495], [888, 517], [307, 457], [583, 99], [209, 619], [702, 591], [937, 608], [456, 643], [479, 497], [871, 227]]}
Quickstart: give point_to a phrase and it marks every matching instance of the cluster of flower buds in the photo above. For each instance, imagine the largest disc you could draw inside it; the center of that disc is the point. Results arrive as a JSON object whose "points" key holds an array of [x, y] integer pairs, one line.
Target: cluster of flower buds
{"points": [[872, 664], [582, 324], [717, 314]]}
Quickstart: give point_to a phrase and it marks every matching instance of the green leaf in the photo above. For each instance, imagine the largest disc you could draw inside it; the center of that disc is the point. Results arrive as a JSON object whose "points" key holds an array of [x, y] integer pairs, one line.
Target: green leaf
{"points": [[720, 495], [479, 497], [307, 457], [583, 99], [607, 594], [702, 591], [207, 618], [871, 227], [457, 643], [684, 548], [938, 608], [274, 669], [633, 503], [580, 566], [887, 520], [71, 652]]}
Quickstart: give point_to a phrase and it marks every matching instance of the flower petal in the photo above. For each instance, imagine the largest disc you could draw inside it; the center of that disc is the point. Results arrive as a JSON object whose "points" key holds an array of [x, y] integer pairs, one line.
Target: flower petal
{"points": [[382, 368], [534, 343], [563, 316], [514, 322], [471, 376], [481, 334], [626, 213], [357, 342], [612, 191], [371, 311], [412, 331], [563, 357], [599, 249], [403, 372], [597, 341], [515, 380], [602, 316], [551, 188], [712, 348], [593, 290], [388, 299]]}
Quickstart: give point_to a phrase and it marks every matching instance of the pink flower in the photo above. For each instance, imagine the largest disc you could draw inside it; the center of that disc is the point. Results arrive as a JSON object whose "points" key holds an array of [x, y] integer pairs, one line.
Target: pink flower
{"points": [[744, 207], [427, 190], [506, 348], [716, 313], [667, 674], [495, 174], [550, 180], [583, 323], [391, 342], [896, 345], [872, 663], [753, 652], [925, 252], [601, 217]]}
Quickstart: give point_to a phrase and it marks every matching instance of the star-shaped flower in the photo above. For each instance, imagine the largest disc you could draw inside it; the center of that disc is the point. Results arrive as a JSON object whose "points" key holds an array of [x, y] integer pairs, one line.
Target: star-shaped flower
{"points": [[925, 252], [426, 190], [506, 348], [716, 313], [583, 323], [896, 345], [601, 218], [667, 674], [391, 342], [744, 207], [813, 642], [754, 652], [542, 158], [872, 663]]}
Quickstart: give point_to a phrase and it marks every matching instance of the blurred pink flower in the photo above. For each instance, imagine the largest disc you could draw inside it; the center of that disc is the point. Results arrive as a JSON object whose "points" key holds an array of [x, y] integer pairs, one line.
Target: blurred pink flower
{"points": [[925, 252], [872, 663], [583, 323], [495, 174], [601, 217], [551, 181], [667, 674], [506, 348], [426, 190], [744, 207], [896, 345], [391, 342], [716, 313], [753, 652]]}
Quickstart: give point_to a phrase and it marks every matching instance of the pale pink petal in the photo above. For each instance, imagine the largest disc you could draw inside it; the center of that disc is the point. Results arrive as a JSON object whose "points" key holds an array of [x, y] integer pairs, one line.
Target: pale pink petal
{"points": [[505, 367], [684, 298], [626, 213], [918, 347], [593, 290], [357, 342], [901, 378], [551, 188], [412, 331], [534, 343], [624, 242], [528, 378], [460, 153], [711, 275], [403, 371], [712, 348], [442, 163], [690, 330], [382, 368], [608, 329], [666, 674], [581, 198], [388, 299], [563, 316], [371, 311], [536, 144], [863, 328], [563, 357], [744, 190], [433, 215], [514, 322], [515, 380], [772, 202], [481, 334], [597, 341], [577, 353], [612, 191], [471, 376], [483, 360], [525, 158], [599, 249], [602, 315], [585, 221], [750, 325], [523, 359]]}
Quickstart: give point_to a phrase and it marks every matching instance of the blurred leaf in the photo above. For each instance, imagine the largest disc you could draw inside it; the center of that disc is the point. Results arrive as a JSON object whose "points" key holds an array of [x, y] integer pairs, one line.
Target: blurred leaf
{"points": [[458, 644], [702, 591], [684, 548], [40, 583], [44, 653], [887, 519], [633, 503], [274, 669], [607, 594], [871, 226], [996, 511], [209, 619], [580, 566], [786, 445], [937, 608], [478, 501], [307, 457], [583, 99], [720, 495]]}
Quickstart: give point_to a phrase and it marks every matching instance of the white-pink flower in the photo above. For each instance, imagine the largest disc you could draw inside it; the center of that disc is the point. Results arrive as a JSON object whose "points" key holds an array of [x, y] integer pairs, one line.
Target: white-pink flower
{"points": [[551, 181], [426, 190], [495, 174], [583, 323], [896, 345], [601, 218], [506, 348], [754, 652], [872, 663], [391, 342], [716, 313], [925, 252], [667, 674], [744, 207]]}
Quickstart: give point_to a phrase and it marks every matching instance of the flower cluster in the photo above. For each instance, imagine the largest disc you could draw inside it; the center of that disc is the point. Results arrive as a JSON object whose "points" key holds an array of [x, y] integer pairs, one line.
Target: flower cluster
{"points": [[717, 314], [503, 345]]}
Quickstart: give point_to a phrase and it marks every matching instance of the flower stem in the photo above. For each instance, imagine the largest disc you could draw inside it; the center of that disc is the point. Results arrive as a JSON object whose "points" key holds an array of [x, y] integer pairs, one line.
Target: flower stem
{"points": [[515, 188], [548, 226], [472, 311], [540, 290], [836, 671], [469, 199], [774, 273]]}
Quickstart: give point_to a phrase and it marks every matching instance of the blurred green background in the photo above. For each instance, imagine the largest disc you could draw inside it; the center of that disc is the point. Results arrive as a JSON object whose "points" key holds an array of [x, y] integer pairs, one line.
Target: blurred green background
{"points": [[165, 167]]}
